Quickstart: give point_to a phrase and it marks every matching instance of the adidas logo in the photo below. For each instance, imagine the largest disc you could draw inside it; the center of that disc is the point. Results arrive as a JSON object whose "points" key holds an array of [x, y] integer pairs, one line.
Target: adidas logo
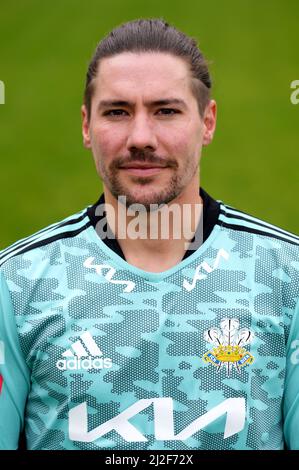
{"points": [[84, 354]]}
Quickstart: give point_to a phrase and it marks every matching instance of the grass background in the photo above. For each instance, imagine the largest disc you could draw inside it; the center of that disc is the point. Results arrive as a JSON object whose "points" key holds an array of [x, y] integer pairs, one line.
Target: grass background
{"points": [[45, 47]]}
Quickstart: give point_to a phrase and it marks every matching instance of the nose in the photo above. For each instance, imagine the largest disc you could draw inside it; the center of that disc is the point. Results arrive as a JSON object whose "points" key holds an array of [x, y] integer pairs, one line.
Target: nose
{"points": [[141, 134]]}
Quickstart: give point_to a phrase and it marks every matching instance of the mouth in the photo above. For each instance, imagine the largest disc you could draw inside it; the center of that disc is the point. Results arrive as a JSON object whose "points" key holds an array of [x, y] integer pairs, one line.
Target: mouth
{"points": [[143, 169]]}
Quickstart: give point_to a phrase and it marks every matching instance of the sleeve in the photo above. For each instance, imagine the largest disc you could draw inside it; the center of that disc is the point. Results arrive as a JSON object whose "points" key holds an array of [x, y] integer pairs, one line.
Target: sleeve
{"points": [[291, 394], [14, 374]]}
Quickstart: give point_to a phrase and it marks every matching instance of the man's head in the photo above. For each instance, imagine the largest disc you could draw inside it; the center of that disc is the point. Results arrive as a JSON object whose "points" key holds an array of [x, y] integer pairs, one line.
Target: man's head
{"points": [[147, 103]]}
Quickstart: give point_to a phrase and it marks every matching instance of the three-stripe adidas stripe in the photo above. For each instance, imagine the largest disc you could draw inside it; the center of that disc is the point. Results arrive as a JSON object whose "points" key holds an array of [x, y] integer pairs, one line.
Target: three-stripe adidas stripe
{"points": [[238, 220], [229, 217], [67, 228]]}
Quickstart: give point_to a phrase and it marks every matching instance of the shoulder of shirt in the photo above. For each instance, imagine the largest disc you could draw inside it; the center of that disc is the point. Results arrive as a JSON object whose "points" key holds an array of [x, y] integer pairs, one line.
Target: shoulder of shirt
{"points": [[234, 219], [66, 228]]}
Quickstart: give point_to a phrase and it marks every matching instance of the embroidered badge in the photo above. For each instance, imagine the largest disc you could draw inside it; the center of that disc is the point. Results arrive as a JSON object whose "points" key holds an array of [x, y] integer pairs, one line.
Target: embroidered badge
{"points": [[229, 341]]}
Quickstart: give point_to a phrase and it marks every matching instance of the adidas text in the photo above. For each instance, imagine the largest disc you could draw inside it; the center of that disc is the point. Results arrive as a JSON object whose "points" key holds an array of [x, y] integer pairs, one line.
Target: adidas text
{"points": [[87, 363]]}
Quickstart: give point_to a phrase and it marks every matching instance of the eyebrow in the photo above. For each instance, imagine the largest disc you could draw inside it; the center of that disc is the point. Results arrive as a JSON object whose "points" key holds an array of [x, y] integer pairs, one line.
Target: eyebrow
{"points": [[162, 102]]}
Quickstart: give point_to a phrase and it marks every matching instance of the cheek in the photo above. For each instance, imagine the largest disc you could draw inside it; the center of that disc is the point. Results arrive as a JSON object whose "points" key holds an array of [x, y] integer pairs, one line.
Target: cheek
{"points": [[184, 145], [106, 142], [183, 139], [195, 142]]}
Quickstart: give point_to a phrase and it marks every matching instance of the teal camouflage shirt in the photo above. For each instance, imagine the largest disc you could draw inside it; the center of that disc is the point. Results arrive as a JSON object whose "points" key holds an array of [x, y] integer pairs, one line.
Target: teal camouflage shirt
{"points": [[98, 354]]}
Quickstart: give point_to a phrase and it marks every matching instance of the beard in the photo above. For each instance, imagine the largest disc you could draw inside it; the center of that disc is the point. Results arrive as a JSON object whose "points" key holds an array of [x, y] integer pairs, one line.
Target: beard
{"points": [[144, 190]]}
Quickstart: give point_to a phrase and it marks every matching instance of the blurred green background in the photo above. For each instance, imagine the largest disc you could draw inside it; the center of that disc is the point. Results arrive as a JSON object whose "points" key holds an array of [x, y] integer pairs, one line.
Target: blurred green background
{"points": [[45, 47]]}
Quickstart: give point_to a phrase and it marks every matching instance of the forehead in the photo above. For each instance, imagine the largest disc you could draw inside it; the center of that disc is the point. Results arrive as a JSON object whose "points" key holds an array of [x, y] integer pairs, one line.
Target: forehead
{"points": [[146, 73]]}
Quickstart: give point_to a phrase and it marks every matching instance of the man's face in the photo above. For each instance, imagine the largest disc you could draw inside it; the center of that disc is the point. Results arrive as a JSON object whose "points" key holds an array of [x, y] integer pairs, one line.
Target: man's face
{"points": [[145, 131]]}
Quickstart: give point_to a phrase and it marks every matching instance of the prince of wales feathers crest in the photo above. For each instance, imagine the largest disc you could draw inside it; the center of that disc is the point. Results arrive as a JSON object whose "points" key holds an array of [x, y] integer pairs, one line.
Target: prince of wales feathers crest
{"points": [[228, 341]]}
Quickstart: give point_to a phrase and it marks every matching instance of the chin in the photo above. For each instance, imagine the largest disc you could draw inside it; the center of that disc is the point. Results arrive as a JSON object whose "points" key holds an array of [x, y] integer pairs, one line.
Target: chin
{"points": [[159, 198]]}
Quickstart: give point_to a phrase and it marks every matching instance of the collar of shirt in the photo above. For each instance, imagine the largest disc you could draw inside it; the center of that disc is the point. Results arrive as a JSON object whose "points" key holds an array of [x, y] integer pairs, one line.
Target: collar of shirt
{"points": [[211, 209]]}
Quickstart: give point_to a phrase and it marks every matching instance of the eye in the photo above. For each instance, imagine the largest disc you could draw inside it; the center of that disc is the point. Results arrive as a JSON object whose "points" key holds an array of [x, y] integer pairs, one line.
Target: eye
{"points": [[115, 112], [168, 111]]}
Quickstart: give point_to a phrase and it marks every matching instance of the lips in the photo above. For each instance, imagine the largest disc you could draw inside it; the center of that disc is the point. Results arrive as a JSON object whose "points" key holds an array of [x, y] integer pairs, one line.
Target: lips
{"points": [[143, 171], [140, 165], [142, 168]]}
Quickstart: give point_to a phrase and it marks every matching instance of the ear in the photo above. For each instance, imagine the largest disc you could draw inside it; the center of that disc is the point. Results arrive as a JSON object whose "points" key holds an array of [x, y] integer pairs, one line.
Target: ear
{"points": [[209, 121], [85, 127]]}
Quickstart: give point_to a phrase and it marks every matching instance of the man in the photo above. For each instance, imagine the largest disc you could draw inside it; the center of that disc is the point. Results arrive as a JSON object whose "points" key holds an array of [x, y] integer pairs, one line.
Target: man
{"points": [[112, 341]]}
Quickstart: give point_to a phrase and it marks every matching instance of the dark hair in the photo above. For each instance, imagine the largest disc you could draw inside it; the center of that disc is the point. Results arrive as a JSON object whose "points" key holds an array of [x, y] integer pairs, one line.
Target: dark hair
{"points": [[152, 35]]}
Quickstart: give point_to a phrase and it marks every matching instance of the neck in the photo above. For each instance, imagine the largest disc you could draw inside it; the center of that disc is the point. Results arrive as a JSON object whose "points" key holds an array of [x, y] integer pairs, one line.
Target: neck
{"points": [[156, 241]]}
